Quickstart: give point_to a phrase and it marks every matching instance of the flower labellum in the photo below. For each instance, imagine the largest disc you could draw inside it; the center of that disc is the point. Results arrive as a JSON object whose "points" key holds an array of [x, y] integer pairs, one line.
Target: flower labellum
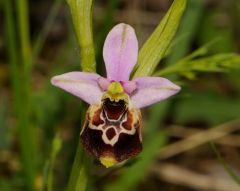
{"points": [[112, 129]]}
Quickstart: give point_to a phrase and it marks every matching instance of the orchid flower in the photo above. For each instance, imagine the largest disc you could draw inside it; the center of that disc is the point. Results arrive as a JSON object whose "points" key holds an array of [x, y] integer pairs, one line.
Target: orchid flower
{"points": [[112, 129]]}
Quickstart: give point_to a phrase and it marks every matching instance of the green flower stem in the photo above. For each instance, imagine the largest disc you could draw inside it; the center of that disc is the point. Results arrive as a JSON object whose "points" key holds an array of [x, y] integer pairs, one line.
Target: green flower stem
{"points": [[81, 11], [81, 166], [80, 170]]}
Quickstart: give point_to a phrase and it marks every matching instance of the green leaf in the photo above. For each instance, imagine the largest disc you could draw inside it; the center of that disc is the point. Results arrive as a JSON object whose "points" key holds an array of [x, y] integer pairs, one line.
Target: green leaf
{"points": [[81, 11], [216, 63], [156, 46], [187, 29]]}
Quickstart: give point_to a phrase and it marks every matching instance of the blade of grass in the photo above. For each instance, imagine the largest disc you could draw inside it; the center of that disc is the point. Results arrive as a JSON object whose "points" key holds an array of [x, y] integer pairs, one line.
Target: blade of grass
{"points": [[156, 46], [21, 91], [12, 47], [188, 26], [197, 139], [216, 63], [24, 34], [27, 135]]}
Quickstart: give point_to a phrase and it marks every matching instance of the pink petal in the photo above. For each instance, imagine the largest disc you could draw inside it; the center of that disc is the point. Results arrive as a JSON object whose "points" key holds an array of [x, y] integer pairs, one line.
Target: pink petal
{"points": [[104, 83], [120, 52], [151, 90], [129, 87], [81, 84]]}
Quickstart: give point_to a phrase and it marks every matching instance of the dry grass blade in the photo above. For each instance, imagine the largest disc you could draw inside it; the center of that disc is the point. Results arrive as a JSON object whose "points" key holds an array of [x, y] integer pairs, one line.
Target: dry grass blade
{"points": [[199, 139], [182, 176], [182, 132]]}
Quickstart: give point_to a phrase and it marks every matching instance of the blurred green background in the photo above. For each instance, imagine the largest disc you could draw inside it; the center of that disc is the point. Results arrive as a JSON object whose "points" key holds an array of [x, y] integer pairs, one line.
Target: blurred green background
{"points": [[191, 141]]}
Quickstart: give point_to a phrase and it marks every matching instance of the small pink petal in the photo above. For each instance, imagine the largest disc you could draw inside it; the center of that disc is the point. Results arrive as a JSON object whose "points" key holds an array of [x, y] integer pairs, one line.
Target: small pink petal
{"points": [[120, 52], [81, 84], [104, 83], [129, 87], [151, 90]]}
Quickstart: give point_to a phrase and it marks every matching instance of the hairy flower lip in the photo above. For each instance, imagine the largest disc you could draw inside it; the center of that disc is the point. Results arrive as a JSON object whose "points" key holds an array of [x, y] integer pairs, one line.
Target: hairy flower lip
{"points": [[126, 141]]}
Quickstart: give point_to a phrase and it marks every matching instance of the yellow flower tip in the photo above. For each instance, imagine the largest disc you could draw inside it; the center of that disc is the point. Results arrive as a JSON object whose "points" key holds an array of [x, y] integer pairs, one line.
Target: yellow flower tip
{"points": [[115, 88], [108, 161], [115, 92]]}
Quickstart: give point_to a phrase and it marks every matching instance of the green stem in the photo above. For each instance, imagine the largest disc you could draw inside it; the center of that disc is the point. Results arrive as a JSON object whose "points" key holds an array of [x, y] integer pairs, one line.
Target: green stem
{"points": [[81, 11], [81, 165], [80, 170]]}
